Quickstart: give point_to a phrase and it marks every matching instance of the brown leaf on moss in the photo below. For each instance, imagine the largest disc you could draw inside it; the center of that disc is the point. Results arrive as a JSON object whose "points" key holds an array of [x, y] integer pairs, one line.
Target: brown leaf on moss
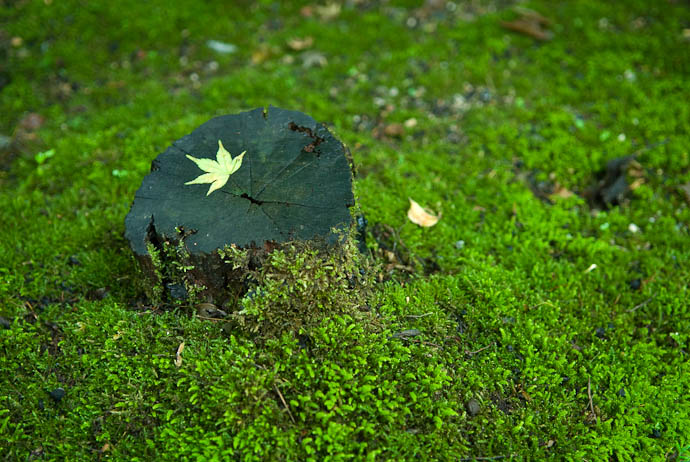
{"points": [[262, 53], [300, 43], [394, 130], [419, 216], [329, 11], [560, 191], [31, 122], [178, 355], [530, 23]]}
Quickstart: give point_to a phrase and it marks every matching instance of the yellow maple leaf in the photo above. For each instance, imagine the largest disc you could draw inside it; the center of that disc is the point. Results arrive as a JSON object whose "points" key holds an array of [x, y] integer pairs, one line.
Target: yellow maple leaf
{"points": [[217, 171]]}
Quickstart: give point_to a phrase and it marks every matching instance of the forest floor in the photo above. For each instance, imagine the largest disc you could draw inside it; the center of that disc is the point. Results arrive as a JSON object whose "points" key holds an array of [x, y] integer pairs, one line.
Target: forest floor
{"points": [[545, 316]]}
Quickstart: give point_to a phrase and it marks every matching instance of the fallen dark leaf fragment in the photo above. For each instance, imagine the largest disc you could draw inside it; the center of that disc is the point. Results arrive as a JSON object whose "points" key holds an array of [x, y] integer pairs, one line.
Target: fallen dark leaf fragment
{"points": [[210, 311], [530, 23], [406, 333], [622, 175]]}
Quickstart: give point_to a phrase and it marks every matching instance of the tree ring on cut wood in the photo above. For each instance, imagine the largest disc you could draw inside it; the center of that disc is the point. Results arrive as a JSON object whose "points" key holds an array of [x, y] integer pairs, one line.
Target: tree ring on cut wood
{"points": [[294, 183]]}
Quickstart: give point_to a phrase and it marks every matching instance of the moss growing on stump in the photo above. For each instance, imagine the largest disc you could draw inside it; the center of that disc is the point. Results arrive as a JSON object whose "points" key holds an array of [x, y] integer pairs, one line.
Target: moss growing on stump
{"points": [[297, 285]]}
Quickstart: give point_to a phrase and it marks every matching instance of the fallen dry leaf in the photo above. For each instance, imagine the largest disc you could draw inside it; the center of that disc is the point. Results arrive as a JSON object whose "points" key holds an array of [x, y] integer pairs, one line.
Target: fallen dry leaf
{"points": [[307, 11], [328, 12], [530, 23], [31, 122], [262, 53], [561, 192], [299, 44], [178, 355], [395, 130], [421, 217], [313, 59]]}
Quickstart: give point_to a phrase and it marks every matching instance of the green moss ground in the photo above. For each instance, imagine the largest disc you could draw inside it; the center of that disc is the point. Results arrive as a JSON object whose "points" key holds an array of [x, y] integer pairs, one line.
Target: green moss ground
{"points": [[512, 321]]}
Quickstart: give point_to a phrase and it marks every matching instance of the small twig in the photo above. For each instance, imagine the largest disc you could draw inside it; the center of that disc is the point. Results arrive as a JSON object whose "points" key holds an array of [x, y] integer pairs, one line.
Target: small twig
{"points": [[591, 404], [470, 353], [470, 459], [210, 319], [423, 342], [280, 395], [637, 307], [417, 316]]}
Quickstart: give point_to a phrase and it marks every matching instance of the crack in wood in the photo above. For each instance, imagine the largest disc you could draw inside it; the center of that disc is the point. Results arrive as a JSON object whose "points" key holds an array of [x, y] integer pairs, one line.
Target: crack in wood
{"points": [[308, 131]]}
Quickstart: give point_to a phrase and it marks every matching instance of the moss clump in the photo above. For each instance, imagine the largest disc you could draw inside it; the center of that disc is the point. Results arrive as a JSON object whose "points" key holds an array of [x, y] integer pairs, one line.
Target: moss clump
{"points": [[171, 274], [298, 284]]}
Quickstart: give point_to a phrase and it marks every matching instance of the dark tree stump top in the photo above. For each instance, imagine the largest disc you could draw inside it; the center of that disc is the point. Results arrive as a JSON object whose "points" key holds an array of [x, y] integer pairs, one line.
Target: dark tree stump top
{"points": [[294, 183]]}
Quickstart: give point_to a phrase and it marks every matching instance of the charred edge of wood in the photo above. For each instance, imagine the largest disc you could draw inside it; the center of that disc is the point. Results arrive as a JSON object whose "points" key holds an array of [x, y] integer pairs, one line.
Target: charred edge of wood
{"points": [[208, 271], [220, 281], [311, 146]]}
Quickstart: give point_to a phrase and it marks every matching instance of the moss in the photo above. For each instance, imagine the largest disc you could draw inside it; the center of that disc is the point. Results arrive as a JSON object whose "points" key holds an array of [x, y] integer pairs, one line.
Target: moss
{"points": [[168, 276], [299, 284], [564, 362]]}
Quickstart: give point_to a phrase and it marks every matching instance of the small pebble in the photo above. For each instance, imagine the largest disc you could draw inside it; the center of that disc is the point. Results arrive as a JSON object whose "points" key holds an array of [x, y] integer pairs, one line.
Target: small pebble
{"points": [[459, 244], [600, 332], [621, 393], [177, 291], [485, 96], [5, 142], [221, 47], [635, 284], [633, 228], [473, 407], [58, 394]]}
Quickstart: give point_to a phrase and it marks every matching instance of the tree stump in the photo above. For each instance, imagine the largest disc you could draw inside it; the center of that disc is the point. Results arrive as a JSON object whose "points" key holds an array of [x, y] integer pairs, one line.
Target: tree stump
{"points": [[253, 180]]}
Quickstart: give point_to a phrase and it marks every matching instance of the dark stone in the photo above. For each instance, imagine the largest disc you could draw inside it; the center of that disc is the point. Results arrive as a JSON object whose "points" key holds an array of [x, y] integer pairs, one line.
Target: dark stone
{"points": [[97, 294], [294, 183], [612, 186], [485, 96], [177, 291], [304, 342], [621, 393], [635, 284], [600, 332], [473, 408], [58, 394], [74, 261], [656, 433]]}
